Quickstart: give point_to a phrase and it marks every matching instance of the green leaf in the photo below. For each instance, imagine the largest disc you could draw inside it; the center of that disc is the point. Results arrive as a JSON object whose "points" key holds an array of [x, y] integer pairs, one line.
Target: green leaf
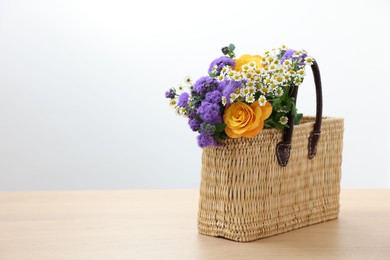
{"points": [[298, 118], [220, 127]]}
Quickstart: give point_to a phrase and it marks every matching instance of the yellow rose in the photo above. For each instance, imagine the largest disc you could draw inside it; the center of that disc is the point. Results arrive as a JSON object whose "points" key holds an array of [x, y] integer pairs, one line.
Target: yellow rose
{"points": [[244, 120], [246, 58]]}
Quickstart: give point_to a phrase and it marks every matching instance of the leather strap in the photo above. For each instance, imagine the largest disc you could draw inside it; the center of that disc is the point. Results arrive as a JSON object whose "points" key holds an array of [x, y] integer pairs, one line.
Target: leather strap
{"points": [[283, 148]]}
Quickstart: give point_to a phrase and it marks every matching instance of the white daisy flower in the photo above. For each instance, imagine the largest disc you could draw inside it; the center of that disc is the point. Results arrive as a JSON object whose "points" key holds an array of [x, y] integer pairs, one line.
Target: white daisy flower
{"points": [[264, 90], [225, 69], [309, 60], [252, 64], [245, 92], [187, 80], [291, 73], [220, 77], [279, 79], [223, 99], [180, 88], [283, 48], [263, 60], [172, 102], [233, 97], [298, 81], [287, 63], [250, 98], [301, 73], [271, 59], [237, 76], [283, 120], [296, 54], [278, 91], [245, 67], [252, 90], [262, 100], [230, 74], [250, 83]]}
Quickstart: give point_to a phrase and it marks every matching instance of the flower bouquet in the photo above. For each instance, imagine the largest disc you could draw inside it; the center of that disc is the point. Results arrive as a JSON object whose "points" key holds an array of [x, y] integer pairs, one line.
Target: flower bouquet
{"points": [[240, 97], [259, 177]]}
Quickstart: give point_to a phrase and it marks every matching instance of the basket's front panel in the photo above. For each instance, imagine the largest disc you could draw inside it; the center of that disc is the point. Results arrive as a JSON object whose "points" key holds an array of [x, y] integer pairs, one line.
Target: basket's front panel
{"points": [[245, 194]]}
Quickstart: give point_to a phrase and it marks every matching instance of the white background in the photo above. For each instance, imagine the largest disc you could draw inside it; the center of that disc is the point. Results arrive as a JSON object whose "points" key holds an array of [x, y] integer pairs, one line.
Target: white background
{"points": [[82, 84]]}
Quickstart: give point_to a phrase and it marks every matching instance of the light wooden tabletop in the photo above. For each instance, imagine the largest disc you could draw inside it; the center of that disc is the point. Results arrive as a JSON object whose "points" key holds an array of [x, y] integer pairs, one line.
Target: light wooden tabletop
{"points": [[161, 224]]}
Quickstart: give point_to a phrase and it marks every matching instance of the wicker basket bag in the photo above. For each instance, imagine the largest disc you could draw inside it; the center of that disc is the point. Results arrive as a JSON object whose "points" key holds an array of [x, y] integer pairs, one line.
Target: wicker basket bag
{"points": [[258, 187]]}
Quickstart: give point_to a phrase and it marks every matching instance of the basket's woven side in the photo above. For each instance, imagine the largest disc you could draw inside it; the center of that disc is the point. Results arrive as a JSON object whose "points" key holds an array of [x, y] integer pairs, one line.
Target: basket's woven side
{"points": [[245, 195]]}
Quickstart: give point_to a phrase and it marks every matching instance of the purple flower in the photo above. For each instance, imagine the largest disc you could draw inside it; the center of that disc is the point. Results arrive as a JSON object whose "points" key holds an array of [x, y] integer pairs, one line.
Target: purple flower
{"points": [[191, 113], [230, 87], [205, 140], [221, 62], [205, 84], [170, 93], [209, 112], [214, 96], [183, 99], [194, 124], [289, 55]]}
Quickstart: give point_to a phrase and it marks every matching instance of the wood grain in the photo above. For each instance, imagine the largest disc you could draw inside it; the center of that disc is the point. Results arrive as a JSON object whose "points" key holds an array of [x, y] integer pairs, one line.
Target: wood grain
{"points": [[161, 224]]}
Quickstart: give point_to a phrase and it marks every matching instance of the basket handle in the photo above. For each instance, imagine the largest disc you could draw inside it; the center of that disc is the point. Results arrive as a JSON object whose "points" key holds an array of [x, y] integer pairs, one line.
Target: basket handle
{"points": [[283, 148]]}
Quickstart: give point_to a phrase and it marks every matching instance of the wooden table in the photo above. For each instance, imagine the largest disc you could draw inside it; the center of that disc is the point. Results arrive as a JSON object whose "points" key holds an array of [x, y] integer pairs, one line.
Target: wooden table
{"points": [[161, 224]]}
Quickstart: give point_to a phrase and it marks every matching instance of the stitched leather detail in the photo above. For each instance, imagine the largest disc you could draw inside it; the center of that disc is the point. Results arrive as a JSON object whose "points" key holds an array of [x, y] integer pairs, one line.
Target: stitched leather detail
{"points": [[312, 145], [283, 153]]}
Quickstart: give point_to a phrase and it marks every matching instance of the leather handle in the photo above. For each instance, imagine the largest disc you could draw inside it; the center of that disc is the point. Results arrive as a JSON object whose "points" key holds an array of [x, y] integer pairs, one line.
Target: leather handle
{"points": [[283, 148]]}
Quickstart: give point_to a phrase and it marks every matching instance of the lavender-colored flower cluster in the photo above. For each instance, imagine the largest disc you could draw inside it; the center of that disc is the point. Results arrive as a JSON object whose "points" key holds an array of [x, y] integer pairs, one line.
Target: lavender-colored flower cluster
{"points": [[183, 99], [210, 113], [220, 63], [205, 84], [289, 55], [205, 140], [171, 93]]}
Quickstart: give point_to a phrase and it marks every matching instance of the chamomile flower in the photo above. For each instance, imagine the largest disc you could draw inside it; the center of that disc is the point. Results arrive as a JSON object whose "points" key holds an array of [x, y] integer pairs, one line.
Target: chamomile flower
{"points": [[252, 89], [252, 64], [271, 59], [225, 69], [309, 60], [248, 75], [250, 99], [220, 77], [264, 90], [256, 79], [272, 67], [291, 73], [245, 67], [250, 84], [237, 76], [301, 73], [263, 61], [230, 74], [283, 120], [233, 97], [223, 99], [298, 81], [191, 87], [283, 48], [287, 63], [296, 54], [278, 91], [180, 88], [187, 80], [172, 102], [245, 92], [279, 79], [262, 100]]}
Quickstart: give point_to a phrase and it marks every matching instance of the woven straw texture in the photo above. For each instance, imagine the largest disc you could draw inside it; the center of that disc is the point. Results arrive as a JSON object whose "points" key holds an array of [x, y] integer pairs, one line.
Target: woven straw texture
{"points": [[245, 195]]}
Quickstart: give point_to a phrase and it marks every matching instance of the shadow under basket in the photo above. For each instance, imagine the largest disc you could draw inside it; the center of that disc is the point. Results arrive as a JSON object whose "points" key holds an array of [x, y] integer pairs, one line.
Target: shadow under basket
{"points": [[246, 195]]}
